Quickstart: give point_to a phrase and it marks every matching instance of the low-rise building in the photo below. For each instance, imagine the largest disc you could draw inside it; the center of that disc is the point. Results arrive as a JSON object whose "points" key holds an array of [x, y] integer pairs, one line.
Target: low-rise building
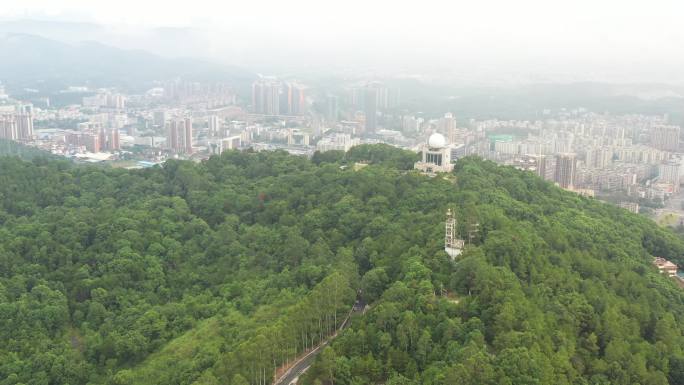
{"points": [[631, 206], [665, 266]]}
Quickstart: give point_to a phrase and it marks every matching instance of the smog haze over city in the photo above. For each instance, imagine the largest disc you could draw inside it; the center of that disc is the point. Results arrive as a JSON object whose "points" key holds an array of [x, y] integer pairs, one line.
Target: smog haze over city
{"points": [[341, 192], [473, 42]]}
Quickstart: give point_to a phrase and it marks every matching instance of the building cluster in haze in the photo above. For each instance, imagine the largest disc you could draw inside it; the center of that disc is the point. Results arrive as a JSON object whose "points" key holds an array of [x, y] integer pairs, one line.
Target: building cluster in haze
{"points": [[16, 122], [636, 157], [194, 120], [633, 157]]}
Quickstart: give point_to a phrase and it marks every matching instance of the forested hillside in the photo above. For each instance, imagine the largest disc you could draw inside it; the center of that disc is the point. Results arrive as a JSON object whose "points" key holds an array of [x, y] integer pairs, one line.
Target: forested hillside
{"points": [[219, 272], [12, 148]]}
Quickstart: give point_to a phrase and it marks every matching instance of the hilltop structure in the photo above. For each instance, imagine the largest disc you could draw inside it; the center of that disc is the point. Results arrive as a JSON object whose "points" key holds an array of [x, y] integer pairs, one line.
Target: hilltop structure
{"points": [[452, 244], [436, 155]]}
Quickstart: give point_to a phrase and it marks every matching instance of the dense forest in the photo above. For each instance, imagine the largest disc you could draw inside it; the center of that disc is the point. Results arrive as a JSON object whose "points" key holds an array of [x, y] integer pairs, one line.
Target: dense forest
{"points": [[220, 272]]}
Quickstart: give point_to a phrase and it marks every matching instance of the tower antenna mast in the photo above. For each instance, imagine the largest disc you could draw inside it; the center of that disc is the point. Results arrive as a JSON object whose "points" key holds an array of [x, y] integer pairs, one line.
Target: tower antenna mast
{"points": [[452, 244]]}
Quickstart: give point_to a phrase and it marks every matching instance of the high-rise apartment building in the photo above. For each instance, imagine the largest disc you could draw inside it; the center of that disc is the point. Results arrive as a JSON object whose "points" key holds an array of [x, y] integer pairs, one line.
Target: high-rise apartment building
{"points": [[214, 126], [114, 142], [172, 135], [272, 97], [371, 110], [102, 138], [188, 135], [17, 126], [386, 98], [598, 157], [266, 96], [25, 125], [447, 123], [410, 125], [566, 169], [669, 172], [179, 136], [90, 141], [332, 108], [160, 118], [116, 101], [297, 101], [665, 138]]}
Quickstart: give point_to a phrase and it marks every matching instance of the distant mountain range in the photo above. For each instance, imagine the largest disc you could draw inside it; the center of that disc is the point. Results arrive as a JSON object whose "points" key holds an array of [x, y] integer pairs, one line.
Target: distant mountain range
{"points": [[165, 42], [32, 61]]}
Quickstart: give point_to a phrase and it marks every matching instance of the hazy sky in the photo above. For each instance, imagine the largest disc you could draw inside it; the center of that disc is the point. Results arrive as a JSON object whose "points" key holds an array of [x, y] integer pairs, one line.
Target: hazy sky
{"points": [[637, 40]]}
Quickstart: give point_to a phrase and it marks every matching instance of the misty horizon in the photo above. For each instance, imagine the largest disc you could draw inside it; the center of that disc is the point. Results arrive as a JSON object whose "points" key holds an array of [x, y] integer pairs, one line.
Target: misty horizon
{"points": [[489, 43]]}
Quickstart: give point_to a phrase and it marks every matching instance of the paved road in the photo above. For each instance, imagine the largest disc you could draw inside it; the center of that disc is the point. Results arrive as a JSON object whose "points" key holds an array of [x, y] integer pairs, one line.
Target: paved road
{"points": [[293, 374], [298, 369]]}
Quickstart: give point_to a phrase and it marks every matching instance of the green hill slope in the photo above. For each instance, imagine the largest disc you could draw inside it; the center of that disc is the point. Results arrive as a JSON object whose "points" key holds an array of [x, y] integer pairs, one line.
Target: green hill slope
{"points": [[219, 272], [555, 289], [14, 149]]}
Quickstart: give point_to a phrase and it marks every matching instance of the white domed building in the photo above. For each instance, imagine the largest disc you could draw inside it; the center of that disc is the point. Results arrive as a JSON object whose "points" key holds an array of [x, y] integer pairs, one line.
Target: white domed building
{"points": [[436, 155]]}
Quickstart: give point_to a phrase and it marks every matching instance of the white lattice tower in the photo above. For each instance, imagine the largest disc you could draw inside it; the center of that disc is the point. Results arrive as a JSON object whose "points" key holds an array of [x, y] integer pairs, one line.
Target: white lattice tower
{"points": [[450, 228], [452, 244]]}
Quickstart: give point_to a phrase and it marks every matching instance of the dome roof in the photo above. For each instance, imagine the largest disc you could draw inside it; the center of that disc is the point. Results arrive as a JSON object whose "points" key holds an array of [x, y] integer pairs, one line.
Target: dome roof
{"points": [[437, 140]]}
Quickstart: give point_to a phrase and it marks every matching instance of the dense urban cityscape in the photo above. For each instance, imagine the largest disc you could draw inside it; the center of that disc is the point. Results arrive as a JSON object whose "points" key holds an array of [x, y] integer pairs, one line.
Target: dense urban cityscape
{"points": [[632, 160]]}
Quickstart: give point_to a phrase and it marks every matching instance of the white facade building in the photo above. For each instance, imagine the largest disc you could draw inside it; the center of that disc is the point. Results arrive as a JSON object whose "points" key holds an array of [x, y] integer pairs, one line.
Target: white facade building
{"points": [[338, 142], [436, 155]]}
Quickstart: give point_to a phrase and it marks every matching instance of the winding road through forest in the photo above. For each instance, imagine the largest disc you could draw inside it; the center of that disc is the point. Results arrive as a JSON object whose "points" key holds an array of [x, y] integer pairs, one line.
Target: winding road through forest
{"points": [[303, 363]]}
